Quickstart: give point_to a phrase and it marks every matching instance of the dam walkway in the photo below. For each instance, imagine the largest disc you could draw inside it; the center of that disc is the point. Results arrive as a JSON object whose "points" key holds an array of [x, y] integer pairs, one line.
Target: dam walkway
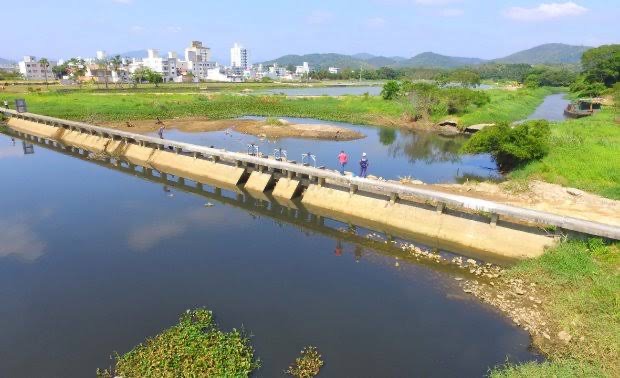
{"points": [[462, 221]]}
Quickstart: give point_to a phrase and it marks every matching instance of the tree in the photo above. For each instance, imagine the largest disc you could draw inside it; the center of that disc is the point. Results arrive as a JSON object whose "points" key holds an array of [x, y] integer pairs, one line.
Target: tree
{"points": [[511, 147], [103, 65], [147, 74], [45, 64], [602, 65], [116, 63], [390, 90]]}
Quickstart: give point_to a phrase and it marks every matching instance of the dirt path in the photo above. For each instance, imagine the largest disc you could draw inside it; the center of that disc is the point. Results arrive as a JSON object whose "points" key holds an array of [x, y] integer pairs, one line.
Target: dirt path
{"points": [[540, 196], [281, 129]]}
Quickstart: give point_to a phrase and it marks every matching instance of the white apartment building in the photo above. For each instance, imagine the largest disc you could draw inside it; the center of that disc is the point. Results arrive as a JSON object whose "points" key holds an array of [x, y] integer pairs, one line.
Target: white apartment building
{"points": [[239, 57], [32, 70], [303, 69], [333, 70], [198, 60], [167, 67], [101, 55]]}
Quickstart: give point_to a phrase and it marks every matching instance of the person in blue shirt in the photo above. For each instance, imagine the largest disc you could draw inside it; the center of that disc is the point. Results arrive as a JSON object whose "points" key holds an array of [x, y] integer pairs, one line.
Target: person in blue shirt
{"points": [[363, 165]]}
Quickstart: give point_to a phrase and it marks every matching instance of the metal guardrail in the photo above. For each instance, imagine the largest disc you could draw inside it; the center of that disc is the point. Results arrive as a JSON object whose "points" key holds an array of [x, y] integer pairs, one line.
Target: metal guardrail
{"points": [[388, 189]]}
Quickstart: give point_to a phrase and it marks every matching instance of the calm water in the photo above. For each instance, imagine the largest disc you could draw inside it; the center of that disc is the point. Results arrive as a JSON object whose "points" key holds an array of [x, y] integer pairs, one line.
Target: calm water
{"points": [[393, 153], [94, 260], [552, 108]]}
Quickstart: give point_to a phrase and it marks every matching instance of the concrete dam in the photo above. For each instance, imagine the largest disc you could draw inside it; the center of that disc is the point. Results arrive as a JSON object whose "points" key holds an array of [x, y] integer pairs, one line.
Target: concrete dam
{"points": [[490, 230]]}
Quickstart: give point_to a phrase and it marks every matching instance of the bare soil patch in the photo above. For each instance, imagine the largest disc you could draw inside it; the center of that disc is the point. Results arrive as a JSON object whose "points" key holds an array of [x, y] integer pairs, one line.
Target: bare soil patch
{"points": [[540, 196], [254, 127]]}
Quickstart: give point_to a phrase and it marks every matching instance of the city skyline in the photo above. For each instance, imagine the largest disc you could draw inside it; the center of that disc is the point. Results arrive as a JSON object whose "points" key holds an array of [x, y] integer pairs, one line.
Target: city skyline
{"points": [[487, 29]]}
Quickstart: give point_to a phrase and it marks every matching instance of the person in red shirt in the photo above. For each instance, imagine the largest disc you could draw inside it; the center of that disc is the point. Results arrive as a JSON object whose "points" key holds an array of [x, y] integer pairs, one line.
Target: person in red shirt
{"points": [[343, 159]]}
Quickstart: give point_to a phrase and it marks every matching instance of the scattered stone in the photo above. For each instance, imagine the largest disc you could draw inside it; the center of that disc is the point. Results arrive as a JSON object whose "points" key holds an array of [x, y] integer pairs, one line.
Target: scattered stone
{"points": [[574, 192], [564, 336], [458, 278], [468, 291], [546, 336], [519, 291], [471, 262]]}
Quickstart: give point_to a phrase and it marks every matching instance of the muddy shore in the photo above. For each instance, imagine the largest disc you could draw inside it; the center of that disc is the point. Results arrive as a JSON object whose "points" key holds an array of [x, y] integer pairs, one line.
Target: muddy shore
{"points": [[281, 129]]}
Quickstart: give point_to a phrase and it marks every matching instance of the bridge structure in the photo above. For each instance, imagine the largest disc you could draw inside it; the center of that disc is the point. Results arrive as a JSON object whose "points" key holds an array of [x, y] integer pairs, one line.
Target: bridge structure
{"points": [[459, 221]]}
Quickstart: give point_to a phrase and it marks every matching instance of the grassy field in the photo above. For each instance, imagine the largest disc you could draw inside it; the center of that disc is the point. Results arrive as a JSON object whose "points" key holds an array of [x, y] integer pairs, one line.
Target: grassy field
{"points": [[584, 153], [507, 106], [580, 282], [88, 105]]}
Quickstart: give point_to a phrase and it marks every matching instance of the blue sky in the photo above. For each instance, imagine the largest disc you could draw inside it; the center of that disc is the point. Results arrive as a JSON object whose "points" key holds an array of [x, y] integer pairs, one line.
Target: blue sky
{"points": [[486, 29]]}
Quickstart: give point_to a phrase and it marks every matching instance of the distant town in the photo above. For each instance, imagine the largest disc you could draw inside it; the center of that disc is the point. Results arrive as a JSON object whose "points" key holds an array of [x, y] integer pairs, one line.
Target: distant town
{"points": [[195, 66]]}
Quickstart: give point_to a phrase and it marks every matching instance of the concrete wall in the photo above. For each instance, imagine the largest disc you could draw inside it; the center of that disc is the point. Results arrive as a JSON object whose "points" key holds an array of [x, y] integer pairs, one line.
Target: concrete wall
{"points": [[377, 213], [466, 233]]}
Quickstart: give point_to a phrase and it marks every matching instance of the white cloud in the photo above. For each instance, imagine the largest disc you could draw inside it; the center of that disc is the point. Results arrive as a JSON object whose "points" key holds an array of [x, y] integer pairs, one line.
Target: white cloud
{"points": [[452, 12], [173, 29], [318, 17], [375, 22], [545, 11]]}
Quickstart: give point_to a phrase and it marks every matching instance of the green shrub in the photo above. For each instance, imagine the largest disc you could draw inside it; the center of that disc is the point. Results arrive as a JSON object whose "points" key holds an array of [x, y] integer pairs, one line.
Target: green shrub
{"points": [[390, 90], [511, 147]]}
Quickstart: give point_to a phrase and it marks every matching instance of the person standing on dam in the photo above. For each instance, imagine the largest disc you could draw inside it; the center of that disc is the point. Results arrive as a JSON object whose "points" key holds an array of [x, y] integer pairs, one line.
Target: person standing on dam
{"points": [[343, 159], [6, 104], [363, 165], [160, 132]]}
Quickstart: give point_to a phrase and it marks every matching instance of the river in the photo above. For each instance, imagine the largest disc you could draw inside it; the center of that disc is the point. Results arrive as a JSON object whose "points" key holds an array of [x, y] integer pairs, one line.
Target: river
{"points": [[94, 260], [392, 153]]}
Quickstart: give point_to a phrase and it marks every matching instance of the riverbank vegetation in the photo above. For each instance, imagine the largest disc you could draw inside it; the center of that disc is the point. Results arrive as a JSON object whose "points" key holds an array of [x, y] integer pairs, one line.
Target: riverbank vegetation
{"points": [[511, 146], [195, 347], [583, 153], [580, 286], [371, 110]]}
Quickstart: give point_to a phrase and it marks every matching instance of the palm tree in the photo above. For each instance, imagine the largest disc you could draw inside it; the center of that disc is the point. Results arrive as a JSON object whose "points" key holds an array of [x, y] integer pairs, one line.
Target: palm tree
{"points": [[116, 62], [45, 64]]}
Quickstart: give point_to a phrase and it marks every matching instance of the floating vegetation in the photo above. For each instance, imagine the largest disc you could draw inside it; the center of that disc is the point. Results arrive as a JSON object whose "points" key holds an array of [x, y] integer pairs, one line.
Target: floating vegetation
{"points": [[193, 348], [307, 365]]}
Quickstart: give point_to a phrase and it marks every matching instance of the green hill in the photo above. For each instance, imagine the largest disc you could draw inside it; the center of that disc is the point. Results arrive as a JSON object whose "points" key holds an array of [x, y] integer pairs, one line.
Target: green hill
{"points": [[550, 53], [432, 60]]}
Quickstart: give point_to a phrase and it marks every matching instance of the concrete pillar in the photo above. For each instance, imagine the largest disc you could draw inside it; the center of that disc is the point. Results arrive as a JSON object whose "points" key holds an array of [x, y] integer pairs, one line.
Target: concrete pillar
{"points": [[440, 207], [353, 189], [494, 219], [321, 181], [393, 198]]}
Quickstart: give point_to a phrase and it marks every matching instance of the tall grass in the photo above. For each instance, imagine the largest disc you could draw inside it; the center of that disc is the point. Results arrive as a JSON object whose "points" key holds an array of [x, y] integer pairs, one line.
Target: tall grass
{"points": [[584, 153], [507, 106], [580, 285]]}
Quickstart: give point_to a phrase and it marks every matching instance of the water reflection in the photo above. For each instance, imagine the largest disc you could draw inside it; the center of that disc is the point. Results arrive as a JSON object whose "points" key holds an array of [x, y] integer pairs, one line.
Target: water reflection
{"points": [[18, 237], [427, 147]]}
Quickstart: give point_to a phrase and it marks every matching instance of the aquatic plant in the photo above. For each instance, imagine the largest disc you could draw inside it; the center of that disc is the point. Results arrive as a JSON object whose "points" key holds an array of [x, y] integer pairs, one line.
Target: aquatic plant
{"points": [[195, 347], [307, 365]]}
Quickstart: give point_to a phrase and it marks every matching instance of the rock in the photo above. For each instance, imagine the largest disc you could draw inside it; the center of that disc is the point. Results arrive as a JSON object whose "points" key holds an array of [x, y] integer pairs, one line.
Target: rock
{"points": [[458, 278], [574, 192], [371, 177], [519, 291], [546, 336], [471, 261], [564, 336], [468, 291]]}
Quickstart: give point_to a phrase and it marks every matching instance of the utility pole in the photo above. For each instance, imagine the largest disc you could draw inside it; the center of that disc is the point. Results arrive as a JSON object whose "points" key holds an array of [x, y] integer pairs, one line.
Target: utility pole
{"points": [[361, 69]]}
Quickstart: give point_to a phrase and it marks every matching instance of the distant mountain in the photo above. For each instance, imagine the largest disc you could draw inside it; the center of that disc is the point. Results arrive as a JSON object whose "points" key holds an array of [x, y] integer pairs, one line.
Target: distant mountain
{"points": [[432, 60], [133, 54], [550, 53], [321, 61], [363, 56]]}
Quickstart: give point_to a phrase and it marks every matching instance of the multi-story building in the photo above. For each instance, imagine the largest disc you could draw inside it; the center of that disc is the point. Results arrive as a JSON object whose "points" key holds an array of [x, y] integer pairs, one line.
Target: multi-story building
{"points": [[31, 69], [239, 57], [167, 67], [198, 60], [303, 69], [333, 70]]}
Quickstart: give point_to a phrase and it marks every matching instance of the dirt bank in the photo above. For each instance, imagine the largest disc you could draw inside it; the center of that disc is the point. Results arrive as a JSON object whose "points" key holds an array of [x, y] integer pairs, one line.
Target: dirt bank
{"points": [[277, 129], [538, 195]]}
